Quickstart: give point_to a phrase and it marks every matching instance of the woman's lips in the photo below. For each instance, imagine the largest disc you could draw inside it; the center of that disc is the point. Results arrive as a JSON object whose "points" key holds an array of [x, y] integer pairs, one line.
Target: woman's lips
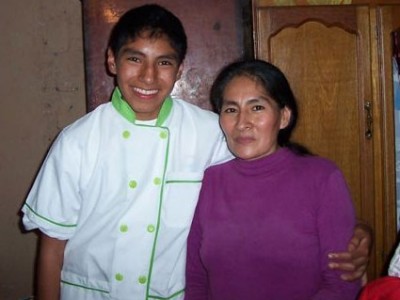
{"points": [[244, 140]]}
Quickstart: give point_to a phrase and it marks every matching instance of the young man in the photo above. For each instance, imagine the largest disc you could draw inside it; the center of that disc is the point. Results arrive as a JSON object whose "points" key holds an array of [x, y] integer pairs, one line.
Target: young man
{"points": [[115, 196]]}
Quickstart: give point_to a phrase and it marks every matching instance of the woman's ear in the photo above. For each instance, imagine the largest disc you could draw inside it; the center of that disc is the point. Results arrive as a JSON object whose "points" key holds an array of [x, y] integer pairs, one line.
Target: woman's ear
{"points": [[286, 113], [111, 63]]}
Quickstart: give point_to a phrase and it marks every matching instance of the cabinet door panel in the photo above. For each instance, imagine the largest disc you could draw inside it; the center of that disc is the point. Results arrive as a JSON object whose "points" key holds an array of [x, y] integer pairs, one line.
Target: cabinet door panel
{"points": [[325, 53], [327, 92], [320, 56]]}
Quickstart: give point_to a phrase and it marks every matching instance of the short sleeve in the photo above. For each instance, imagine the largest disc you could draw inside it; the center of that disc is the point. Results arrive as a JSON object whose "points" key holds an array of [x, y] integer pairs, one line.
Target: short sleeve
{"points": [[53, 203]]}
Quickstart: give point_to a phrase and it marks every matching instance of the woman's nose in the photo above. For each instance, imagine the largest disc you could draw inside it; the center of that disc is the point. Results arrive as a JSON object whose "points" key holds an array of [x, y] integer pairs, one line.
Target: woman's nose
{"points": [[243, 121]]}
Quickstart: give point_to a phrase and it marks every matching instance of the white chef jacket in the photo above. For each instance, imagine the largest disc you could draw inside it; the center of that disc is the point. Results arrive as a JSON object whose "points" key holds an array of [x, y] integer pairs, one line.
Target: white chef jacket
{"points": [[394, 266], [123, 195]]}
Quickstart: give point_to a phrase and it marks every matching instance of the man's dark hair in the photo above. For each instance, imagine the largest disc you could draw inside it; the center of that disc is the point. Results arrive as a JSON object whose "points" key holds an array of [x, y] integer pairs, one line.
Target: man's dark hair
{"points": [[155, 21]]}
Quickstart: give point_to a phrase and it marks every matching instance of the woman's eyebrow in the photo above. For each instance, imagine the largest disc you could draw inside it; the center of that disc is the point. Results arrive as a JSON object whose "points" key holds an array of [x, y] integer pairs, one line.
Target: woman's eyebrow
{"points": [[250, 101]]}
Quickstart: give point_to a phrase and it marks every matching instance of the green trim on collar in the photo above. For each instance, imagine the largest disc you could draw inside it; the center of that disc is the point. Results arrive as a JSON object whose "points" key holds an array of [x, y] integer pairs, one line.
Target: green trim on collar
{"points": [[122, 106], [127, 112], [164, 111]]}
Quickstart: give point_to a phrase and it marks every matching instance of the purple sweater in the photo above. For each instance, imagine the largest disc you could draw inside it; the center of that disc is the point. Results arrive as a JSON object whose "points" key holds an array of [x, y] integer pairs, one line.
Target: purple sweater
{"points": [[263, 230]]}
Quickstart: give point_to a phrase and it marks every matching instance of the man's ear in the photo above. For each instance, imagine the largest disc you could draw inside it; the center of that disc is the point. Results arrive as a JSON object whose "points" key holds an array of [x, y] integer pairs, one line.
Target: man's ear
{"points": [[286, 113], [180, 72], [111, 63]]}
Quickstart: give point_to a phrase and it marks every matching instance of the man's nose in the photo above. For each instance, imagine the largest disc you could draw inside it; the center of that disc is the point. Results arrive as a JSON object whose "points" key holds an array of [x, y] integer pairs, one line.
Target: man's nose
{"points": [[148, 73]]}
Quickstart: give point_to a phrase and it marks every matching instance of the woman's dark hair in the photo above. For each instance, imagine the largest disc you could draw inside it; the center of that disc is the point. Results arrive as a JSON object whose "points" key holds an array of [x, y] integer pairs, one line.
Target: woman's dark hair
{"points": [[152, 19], [276, 86]]}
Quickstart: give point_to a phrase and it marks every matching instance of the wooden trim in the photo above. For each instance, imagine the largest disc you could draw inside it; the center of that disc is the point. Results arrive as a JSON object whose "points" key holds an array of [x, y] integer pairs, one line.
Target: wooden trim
{"points": [[261, 3], [386, 24]]}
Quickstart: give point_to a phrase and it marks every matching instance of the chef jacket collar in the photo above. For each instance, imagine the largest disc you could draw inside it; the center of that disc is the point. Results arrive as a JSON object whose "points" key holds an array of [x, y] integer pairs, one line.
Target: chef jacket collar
{"points": [[127, 112]]}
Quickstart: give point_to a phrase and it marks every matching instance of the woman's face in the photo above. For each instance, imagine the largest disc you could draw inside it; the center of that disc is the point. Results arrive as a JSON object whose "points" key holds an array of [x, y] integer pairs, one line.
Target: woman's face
{"points": [[251, 119]]}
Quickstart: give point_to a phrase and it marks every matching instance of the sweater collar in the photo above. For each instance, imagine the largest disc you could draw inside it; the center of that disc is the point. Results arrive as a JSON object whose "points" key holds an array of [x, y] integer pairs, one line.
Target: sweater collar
{"points": [[265, 165]]}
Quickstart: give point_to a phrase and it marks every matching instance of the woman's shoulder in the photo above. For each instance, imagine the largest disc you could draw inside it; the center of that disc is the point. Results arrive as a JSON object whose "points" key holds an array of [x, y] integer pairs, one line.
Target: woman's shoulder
{"points": [[219, 168], [316, 164]]}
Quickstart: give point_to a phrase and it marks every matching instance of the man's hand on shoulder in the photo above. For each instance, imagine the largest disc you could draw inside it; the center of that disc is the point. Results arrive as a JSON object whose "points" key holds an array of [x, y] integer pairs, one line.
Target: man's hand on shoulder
{"points": [[355, 261]]}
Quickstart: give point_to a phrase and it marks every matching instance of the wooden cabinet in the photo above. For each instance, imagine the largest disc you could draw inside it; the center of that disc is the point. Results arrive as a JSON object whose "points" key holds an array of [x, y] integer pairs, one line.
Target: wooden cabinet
{"points": [[338, 61]]}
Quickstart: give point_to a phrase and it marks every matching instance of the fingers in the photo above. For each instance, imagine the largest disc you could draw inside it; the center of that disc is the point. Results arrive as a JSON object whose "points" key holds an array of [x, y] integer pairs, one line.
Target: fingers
{"points": [[342, 260], [351, 273], [364, 279], [354, 244], [345, 267], [361, 263], [365, 235], [352, 276], [365, 246], [352, 268], [354, 262], [345, 256]]}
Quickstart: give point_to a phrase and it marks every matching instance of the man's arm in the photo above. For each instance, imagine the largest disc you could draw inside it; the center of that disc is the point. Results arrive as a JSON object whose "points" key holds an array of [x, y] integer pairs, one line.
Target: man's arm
{"points": [[354, 262], [50, 262]]}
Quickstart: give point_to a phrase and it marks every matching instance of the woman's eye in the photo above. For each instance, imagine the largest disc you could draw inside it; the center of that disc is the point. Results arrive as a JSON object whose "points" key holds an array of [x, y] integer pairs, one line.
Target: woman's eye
{"points": [[228, 110]]}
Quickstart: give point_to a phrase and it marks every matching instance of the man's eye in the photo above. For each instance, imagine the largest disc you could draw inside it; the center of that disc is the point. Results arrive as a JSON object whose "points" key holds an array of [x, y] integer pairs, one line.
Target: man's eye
{"points": [[258, 107], [133, 58], [165, 63]]}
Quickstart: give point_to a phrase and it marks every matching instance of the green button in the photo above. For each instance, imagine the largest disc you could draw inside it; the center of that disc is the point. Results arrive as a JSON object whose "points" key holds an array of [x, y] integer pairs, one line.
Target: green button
{"points": [[163, 134], [151, 228], [126, 134], [142, 279], [123, 228], [119, 277], [132, 184], [157, 181]]}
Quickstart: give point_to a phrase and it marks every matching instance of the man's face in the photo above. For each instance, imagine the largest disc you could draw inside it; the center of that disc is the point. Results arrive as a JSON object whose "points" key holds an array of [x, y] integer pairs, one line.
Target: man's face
{"points": [[146, 70]]}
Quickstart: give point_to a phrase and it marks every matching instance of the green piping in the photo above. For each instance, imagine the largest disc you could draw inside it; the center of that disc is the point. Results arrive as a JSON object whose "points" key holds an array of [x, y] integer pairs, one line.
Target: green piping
{"points": [[183, 181], [48, 220], [170, 297], [127, 112], [122, 106], [84, 287], [164, 111], [158, 219]]}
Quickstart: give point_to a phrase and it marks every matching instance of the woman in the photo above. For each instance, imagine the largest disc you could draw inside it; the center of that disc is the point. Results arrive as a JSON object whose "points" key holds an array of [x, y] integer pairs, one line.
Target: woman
{"points": [[266, 221]]}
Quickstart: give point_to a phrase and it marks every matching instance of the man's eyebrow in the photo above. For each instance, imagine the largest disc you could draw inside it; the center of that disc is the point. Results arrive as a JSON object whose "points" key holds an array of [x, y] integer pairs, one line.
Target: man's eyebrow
{"points": [[130, 51], [173, 56]]}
